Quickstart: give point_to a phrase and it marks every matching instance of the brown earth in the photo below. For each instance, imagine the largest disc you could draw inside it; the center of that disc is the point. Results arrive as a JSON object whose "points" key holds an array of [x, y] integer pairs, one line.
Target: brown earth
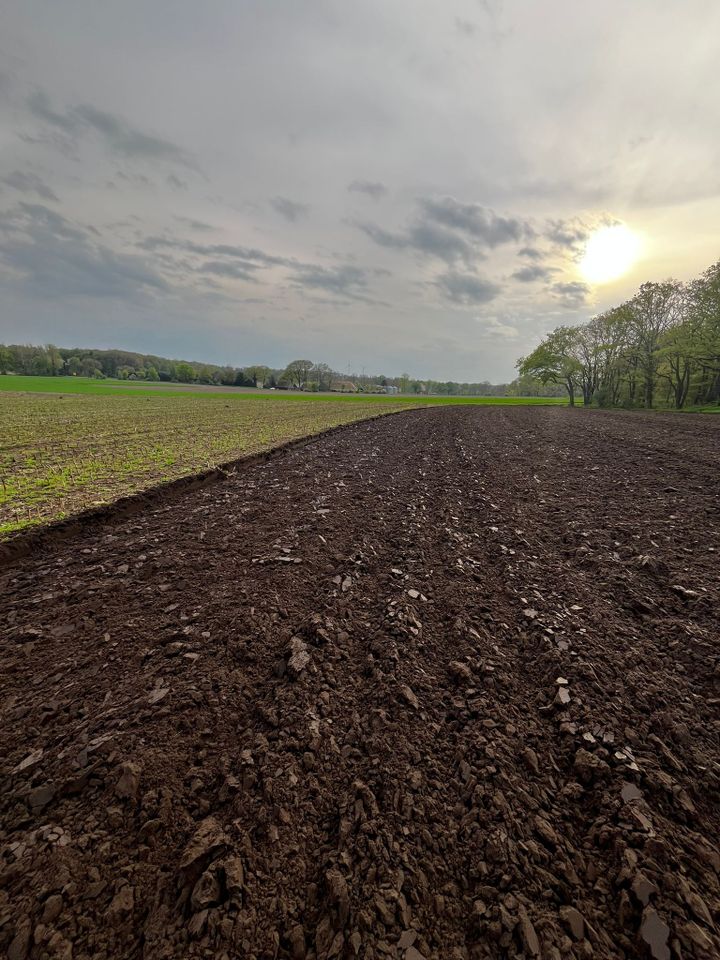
{"points": [[444, 684]]}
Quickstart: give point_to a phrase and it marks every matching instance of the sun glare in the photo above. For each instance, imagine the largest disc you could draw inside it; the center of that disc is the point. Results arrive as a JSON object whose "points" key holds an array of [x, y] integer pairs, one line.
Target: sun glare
{"points": [[610, 252]]}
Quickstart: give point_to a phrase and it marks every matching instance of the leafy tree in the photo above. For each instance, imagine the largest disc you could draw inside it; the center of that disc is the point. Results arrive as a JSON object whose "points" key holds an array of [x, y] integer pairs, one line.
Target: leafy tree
{"points": [[322, 374], [151, 373], [41, 364], [73, 365], [55, 359], [555, 361], [655, 307], [184, 373], [297, 373], [257, 375]]}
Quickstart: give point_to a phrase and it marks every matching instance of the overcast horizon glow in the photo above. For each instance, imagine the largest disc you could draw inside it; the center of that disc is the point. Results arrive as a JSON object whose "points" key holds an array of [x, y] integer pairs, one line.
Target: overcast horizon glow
{"points": [[399, 186]]}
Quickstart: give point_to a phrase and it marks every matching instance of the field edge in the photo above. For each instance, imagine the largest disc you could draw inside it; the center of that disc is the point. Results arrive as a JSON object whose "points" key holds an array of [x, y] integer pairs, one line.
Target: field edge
{"points": [[20, 543]]}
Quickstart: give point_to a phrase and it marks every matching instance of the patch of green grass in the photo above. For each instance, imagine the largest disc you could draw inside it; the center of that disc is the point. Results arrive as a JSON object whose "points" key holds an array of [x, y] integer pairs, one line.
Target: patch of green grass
{"points": [[117, 388]]}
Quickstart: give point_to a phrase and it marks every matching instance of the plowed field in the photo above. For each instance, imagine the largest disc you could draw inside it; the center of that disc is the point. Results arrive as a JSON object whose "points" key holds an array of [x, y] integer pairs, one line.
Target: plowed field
{"points": [[444, 684]]}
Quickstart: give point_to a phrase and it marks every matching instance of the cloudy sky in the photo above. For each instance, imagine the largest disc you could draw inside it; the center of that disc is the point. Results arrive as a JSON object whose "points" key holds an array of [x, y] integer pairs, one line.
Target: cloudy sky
{"points": [[400, 185]]}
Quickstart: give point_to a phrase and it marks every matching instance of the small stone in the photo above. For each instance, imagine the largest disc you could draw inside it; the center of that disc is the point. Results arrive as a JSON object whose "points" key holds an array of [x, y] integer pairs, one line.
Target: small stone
{"points": [[122, 903], [643, 888], [407, 694], [149, 829], [699, 908], [207, 842], [299, 657], [19, 946], [531, 760], [129, 781], [52, 908], [460, 672], [588, 767], [407, 939], [546, 832], [574, 921], [654, 932], [630, 792], [31, 760], [41, 797], [528, 934], [206, 892], [413, 954], [234, 877], [158, 694]]}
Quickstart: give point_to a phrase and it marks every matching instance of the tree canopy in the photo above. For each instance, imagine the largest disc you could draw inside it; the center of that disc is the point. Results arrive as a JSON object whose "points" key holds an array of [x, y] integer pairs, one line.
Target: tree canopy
{"points": [[663, 343]]}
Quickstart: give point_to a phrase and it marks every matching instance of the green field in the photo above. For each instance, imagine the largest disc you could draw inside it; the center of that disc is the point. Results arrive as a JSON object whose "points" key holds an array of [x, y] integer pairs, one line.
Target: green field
{"points": [[69, 443], [139, 388]]}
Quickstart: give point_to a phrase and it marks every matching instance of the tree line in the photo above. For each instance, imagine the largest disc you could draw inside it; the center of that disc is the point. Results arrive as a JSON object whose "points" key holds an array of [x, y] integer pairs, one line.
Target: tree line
{"points": [[660, 347], [50, 360]]}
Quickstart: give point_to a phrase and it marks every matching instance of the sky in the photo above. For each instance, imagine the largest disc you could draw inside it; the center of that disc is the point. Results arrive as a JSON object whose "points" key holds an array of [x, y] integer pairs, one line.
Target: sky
{"points": [[392, 185]]}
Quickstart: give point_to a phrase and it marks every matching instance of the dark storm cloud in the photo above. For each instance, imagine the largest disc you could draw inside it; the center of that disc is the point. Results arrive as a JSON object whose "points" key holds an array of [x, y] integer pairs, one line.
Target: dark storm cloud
{"points": [[52, 257], [467, 289], [118, 135], [371, 188], [480, 222], [531, 273], [29, 183], [289, 209]]}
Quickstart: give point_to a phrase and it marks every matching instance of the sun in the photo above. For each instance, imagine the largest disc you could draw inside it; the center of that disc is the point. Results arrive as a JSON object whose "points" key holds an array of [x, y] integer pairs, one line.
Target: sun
{"points": [[609, 253]]}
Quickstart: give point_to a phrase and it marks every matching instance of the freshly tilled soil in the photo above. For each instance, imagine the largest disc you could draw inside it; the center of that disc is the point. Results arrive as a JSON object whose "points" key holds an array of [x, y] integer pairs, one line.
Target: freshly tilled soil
{"points": [[444, 684]]}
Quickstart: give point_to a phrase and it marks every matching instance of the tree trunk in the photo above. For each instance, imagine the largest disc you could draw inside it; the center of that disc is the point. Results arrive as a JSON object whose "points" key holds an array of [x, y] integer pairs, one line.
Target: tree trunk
{"points": [[649, 391]]}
